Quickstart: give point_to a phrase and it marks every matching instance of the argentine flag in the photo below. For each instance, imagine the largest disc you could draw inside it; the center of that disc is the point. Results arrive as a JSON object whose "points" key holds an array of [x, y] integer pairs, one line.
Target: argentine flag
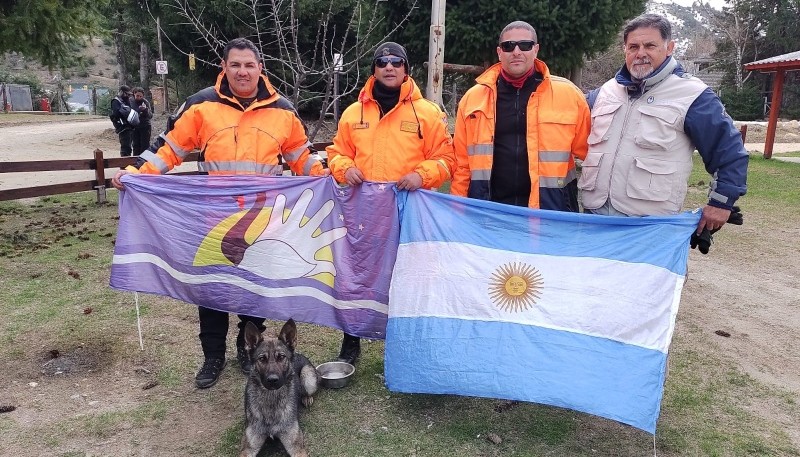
{"points": [[571, 310]]}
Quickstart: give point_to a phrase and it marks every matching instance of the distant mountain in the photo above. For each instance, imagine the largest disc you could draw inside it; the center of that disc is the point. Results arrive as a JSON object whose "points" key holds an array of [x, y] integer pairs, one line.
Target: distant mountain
{"points": [[694, 39], [690, 28]]}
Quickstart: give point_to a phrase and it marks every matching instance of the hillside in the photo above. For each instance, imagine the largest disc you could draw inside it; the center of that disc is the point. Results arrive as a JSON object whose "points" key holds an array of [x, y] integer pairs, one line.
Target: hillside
{"points": [[97, 66]]}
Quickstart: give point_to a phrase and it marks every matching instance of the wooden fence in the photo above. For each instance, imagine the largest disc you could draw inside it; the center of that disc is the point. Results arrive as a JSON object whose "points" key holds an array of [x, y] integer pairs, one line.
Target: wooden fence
{"points": [[101, 182], [99, 164]]}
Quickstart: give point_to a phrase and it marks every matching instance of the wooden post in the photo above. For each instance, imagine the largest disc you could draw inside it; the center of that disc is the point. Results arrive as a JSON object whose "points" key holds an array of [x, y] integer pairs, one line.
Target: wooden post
{"points": [[100, 176], [3, 95], [777, 92], [161, 57], [433, 90]]}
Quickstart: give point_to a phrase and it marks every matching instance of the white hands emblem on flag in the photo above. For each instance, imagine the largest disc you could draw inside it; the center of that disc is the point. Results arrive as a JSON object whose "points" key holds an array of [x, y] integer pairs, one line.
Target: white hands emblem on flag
{"points": [[286, 249]]}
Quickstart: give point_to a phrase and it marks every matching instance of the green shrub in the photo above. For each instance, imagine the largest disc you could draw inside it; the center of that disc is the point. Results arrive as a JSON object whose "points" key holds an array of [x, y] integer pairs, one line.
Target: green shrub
{"points": [[28, 79], [743, 105], [104, 104]]}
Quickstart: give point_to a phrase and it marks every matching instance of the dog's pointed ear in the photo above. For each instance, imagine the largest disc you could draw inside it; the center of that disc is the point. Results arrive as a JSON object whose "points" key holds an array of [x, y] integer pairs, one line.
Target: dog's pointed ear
{"points": [[252, 336], [289, 334]]}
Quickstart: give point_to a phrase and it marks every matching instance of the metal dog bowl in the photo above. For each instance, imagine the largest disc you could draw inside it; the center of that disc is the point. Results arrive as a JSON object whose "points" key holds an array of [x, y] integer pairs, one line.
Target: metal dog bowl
{"points": [[335, 374]]}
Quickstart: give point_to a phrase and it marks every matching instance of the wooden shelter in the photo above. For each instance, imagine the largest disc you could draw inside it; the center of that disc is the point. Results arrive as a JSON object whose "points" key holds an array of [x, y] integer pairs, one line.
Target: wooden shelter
{"points": [[778, 65]]}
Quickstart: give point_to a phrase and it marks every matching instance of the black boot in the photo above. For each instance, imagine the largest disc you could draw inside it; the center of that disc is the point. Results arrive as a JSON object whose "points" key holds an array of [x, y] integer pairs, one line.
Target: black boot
{"points": [[244, 360], [351, 349], [209, 372]]}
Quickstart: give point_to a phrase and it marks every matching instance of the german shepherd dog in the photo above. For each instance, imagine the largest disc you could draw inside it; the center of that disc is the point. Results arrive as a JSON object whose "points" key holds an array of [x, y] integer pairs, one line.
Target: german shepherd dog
{"points": [[279, 381]]}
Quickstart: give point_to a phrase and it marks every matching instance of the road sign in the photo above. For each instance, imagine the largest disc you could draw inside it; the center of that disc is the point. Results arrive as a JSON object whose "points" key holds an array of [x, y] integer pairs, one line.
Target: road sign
{"points": [[161, 67], [338, 62]]}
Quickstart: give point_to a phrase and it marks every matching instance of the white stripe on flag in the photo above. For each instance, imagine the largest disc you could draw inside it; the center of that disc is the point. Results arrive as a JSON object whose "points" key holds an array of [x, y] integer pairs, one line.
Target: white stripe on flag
{"points": [[633, 303], [270, 292]]}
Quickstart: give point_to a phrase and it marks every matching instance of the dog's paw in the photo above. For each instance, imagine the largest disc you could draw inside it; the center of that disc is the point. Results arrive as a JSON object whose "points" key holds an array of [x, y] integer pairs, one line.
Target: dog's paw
{"points": [[307, 401]]}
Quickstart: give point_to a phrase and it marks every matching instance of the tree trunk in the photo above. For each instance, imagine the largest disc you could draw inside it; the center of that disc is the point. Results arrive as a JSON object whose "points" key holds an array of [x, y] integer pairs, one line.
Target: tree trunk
{"points": [[122, 67], [144, 67]]}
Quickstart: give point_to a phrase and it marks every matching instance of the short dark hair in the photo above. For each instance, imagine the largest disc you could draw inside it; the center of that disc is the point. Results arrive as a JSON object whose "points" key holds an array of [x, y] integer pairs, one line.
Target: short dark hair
{"points": [[518, 25], [649, 20], [124, 88], [241, 44], [138, 89]]}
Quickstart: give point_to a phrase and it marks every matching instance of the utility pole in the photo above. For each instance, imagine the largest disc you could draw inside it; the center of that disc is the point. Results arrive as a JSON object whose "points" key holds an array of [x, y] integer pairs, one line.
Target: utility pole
{"points": [[433, 90], [161, 57]]}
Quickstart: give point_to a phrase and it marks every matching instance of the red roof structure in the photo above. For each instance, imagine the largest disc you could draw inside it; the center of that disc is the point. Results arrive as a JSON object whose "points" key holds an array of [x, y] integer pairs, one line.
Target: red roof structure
{"points": [[778, 65]]}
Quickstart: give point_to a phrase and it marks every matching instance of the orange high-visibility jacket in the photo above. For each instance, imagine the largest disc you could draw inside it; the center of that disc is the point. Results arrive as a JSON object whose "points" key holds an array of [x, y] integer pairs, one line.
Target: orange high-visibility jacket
{"points": [[412, 136], [233, 139], [558, 128]]}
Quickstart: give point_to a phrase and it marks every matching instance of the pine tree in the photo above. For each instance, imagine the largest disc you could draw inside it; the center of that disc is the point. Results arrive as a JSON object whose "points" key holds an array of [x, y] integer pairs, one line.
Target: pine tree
{"points": [[47, 30]]}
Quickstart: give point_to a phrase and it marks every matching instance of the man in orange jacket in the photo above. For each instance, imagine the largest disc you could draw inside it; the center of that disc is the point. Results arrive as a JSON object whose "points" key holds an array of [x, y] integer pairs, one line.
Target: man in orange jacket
{"points": [[390, 134], [519, 129], [241, 126]]}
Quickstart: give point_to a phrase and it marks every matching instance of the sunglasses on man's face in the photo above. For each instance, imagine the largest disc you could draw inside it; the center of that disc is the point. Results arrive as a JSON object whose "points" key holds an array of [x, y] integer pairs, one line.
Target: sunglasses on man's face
{"points": [[524, 45], [382, 62]]}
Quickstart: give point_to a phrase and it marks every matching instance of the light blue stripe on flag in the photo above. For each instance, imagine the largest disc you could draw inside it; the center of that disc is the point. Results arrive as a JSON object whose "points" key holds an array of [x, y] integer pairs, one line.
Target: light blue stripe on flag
{"points": [[570, 310], [528, 363], [629, 239]]}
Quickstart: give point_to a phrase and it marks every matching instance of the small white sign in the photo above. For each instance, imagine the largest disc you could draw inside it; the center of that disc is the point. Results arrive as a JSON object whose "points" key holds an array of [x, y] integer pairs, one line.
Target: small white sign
{"points": [[338, 62], [161, 67]]}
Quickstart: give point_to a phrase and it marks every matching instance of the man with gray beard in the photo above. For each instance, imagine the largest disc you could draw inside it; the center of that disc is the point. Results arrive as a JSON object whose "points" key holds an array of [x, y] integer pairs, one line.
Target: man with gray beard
{"points": [[646, 123]]}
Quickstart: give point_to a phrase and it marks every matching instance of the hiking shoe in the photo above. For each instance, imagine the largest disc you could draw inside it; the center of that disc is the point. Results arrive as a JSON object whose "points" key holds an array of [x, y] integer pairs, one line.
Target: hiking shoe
{"points": [[209, 373], [351, 349], [244, 360]]}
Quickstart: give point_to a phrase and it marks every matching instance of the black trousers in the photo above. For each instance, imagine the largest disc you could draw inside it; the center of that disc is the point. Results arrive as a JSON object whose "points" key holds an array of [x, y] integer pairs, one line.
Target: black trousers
{"points": [[214, 331], [125, 139], [141, 138]]}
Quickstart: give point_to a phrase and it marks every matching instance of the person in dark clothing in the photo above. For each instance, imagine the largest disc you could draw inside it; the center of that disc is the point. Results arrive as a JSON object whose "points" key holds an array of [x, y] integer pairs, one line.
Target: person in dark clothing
{"points": [[142, 132], [120, 108], [520, 129]]}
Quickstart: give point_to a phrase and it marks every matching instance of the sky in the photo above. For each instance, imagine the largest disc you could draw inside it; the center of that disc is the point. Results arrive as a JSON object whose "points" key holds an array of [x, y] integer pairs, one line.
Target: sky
{"points": [[717, 4]]}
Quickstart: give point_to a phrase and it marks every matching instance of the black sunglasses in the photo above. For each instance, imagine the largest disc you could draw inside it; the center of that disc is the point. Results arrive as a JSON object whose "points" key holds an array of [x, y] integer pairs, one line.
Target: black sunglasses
{"points": [[382, 62], [524, 45]]}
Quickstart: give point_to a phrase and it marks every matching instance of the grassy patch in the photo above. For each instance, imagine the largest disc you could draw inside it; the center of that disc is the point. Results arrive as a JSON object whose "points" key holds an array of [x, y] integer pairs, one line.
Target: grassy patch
{"points": [[55, 260]]}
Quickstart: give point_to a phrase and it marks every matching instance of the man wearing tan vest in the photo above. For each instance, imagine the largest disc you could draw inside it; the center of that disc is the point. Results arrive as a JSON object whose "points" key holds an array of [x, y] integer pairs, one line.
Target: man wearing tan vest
{"points": [[646, 123]]}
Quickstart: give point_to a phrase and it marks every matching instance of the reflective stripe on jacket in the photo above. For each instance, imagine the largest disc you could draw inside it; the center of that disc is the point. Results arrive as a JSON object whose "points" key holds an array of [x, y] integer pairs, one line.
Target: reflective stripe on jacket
{"points": [[558, 126], [233, 139], [411, 137]]}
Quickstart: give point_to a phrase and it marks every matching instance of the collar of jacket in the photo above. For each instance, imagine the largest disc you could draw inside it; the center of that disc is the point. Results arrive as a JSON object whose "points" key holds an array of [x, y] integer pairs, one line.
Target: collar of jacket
{"points": [[408, 91], [635, 89], [489, 77], [266, 93]]}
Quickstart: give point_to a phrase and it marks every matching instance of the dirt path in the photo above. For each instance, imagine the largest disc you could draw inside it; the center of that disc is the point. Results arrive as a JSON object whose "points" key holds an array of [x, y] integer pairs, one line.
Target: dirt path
{"points": [[54, 141], [65, 140]]}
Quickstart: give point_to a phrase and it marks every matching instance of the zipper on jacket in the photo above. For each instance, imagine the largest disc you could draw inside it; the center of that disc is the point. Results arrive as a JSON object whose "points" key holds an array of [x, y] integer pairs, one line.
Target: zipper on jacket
{"points": [[516, 149]]}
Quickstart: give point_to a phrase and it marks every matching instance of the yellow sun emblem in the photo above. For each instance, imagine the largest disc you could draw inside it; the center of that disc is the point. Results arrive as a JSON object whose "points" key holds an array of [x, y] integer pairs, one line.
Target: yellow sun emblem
{"points": [[515, 286]]}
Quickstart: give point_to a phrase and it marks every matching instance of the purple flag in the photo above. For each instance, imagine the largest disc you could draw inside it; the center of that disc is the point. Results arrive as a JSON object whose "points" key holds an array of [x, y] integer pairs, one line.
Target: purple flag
{"points": [[274, 247]]}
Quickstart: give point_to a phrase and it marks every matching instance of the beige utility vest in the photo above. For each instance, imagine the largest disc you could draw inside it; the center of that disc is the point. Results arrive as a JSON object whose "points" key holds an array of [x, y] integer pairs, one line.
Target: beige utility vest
{"points": [[639, 156]]}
